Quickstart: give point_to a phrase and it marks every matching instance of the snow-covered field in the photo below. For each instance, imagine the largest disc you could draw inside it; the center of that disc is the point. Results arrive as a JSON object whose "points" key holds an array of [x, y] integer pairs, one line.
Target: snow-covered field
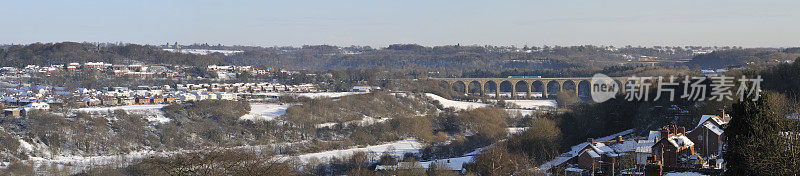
{"points": [[459, 105], [576, 148], [515, 112], [534, 104], [268, 111], [314, 94], [152, 113], [396, 149], [516, 130]]}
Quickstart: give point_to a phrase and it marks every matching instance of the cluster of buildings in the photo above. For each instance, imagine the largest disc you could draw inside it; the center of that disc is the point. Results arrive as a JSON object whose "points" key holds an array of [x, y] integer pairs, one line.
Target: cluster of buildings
{"points": [[670, 149], [228, 71], [18, 101], [135, 70]]}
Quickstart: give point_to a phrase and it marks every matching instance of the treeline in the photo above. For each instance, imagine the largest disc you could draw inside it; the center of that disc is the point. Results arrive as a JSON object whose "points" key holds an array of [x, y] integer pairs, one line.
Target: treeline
{"points": [[449, 58], [742, 57], [621, 71], [67, 52], [783, 78]]}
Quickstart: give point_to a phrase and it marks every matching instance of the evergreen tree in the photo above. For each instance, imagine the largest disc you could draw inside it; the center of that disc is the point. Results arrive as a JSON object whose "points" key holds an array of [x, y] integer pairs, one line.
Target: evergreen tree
{"points": [[757, 144]]}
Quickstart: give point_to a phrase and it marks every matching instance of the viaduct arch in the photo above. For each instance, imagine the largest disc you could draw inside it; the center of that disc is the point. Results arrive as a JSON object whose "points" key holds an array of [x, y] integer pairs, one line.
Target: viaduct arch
{"points": [[548, 86]]}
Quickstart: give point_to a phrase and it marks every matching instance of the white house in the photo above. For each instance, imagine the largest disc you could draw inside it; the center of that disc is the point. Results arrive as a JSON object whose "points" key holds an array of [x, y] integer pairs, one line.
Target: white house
{"points": [[187, 97], [364, 88], [225, 96], [37, 106]]}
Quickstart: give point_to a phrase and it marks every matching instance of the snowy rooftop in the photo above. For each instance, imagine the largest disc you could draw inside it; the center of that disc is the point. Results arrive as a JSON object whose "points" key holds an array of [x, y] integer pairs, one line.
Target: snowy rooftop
{"points": [[626, 146], [713, 128], [680, 141], [644, 146]]}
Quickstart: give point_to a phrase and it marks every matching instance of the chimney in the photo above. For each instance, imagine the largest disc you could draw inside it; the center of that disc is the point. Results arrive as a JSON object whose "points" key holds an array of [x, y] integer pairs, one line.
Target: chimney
{"points": [[674, 130], [664, 134], [723, 115], [590, 140]]}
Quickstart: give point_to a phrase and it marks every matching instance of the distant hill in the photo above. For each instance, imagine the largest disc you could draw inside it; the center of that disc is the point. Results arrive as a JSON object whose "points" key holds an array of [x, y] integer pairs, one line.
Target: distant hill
{"points": [[741, 57], [450, 57], [67, 52]]}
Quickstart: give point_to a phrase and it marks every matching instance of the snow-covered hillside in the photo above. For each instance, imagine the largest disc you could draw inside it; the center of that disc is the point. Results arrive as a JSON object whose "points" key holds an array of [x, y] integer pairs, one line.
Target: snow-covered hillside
{"points": [[152, 113], [459, 105], [534, 104], [396, 149], [267, 111]]}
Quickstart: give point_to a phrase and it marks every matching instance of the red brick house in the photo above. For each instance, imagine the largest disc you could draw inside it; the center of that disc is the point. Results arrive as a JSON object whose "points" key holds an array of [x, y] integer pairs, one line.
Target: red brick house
{"points": [[143, 100], [598, 158], [170, 99], [156, 100], [708, 135], [674, 148]]}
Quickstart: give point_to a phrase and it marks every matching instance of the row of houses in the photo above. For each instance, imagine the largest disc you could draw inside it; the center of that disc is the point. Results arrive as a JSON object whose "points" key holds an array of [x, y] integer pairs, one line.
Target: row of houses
{"points": [[239, 69], [248, 87], [669, 149], [22, 111], [18, 97], [135, 70]]}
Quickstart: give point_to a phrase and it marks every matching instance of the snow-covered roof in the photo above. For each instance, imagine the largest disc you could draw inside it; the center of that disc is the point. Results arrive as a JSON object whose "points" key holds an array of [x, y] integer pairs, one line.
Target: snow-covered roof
{"points": [[592, 154], [572, 169], [680, 141], [715, 118], [451, 163], [602, 148], [713, 128], [644, 146], [626, 146], [654, 136]]}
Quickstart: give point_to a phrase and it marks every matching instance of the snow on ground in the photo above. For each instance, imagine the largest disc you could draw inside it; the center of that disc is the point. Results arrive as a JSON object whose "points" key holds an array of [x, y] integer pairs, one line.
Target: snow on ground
{"points": [[363, 122], [534, 104], [326, 125], [314, 94], [459, 105], [80, 163], [522, 112], [452, 163], [268, 111], [516, 130], [25, 145], [94, 160], [576, 148], [396, 149], [152, 113]]}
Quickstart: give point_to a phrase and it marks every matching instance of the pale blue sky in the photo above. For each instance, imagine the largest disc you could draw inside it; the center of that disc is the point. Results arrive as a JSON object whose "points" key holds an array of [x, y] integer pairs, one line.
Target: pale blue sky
{"points": [[769, 23]]}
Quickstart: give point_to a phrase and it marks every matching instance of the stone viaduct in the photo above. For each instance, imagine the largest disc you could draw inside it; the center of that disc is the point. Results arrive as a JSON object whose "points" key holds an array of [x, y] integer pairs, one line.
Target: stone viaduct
{"points": [[530, 84]]}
